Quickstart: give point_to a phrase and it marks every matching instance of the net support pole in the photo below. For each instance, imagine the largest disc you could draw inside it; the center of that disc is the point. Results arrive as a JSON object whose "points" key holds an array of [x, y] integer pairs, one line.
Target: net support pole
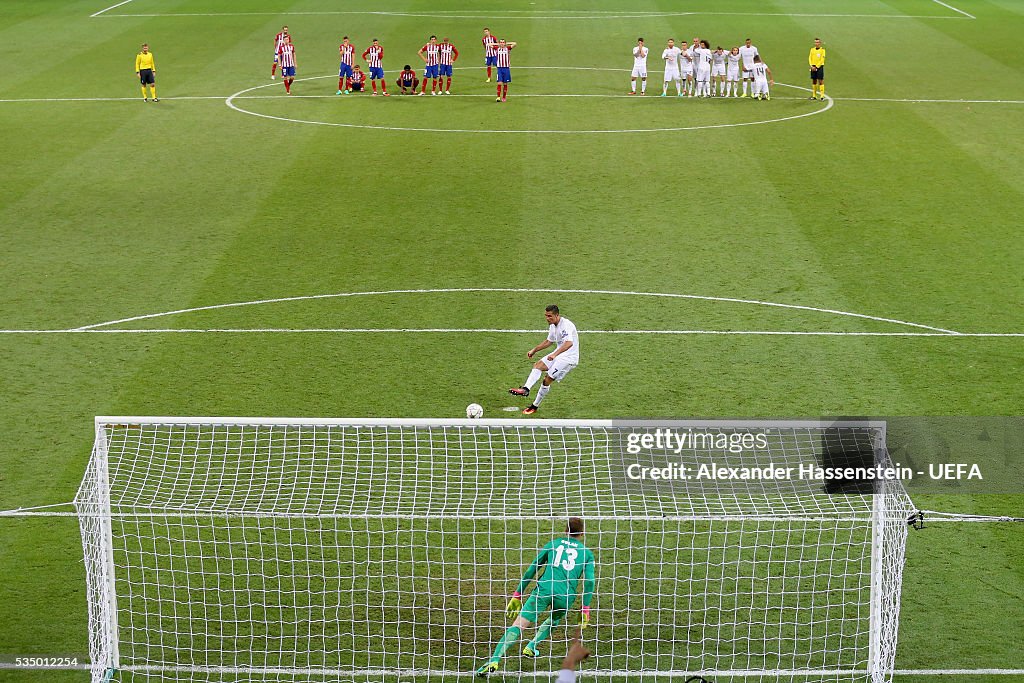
{"points": [[108, 608], [876, 670]]}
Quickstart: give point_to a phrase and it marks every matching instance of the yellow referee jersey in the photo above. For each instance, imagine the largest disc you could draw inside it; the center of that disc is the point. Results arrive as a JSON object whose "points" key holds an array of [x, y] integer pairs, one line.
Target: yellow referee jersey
{"points": [[817, 56], [144, 60]]}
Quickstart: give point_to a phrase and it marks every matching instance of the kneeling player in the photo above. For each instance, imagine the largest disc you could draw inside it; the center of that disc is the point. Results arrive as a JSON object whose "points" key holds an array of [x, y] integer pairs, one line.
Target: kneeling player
{"points": [[357, 81], [561, 564], [762, 79], [407, 81], [557, 365]]}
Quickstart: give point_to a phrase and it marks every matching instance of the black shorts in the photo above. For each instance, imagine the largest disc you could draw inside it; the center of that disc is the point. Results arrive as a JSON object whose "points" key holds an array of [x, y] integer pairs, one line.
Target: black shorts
{"points": [[818, 74], [146, 77], [357, 87], [408, 84]]}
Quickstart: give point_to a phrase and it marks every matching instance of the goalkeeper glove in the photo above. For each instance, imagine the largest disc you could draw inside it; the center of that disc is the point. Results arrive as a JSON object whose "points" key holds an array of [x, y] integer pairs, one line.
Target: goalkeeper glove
{"points": [[586, 617], [514, 606]]}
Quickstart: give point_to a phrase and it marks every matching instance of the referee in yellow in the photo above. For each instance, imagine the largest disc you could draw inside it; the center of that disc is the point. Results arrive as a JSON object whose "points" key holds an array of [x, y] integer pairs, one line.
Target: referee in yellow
{"points": [[145, 69], [817, 61]]}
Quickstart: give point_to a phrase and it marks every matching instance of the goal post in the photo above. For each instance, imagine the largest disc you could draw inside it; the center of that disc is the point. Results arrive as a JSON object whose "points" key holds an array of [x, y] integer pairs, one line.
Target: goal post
{"points": [[273, 549]]}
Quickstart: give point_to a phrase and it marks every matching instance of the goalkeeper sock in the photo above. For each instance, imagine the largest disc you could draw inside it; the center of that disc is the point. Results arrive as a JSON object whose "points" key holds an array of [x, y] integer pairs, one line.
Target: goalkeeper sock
{"points": [[532, 379], [541, 393], [821, 91], [152, 89], [542, 633], [511, 636], [144, 92]]}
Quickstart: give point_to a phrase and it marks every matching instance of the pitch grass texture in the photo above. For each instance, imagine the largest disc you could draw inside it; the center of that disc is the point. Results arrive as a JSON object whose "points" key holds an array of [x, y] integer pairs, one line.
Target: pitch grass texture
{"points": [[114, 209]]}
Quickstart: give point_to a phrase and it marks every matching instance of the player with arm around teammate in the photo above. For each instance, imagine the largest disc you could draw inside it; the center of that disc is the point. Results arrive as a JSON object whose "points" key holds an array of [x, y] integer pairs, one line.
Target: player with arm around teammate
{"points": [[558, 364], [718, 72], [558, 568], [639, 67], [732, 72]]}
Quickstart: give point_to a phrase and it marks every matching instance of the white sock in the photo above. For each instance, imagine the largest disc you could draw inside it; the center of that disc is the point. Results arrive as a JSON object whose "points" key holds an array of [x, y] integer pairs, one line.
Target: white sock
{"points": [[664, 88], [541, 393], [532, 379], [643, 85], [745, 86], [679, 88], [633, 85]]}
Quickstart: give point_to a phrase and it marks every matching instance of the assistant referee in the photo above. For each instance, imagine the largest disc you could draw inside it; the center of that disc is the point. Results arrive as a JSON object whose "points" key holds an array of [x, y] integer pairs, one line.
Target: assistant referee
{"points": [[145, 69], [817, 61]]}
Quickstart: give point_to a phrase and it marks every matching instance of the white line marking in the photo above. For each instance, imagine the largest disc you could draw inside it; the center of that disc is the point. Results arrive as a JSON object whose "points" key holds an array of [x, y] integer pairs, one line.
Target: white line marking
{"points": [[518, 95], [125, 2], [459, 330], [546, 16], [725, 674], [239, 95], [969, 16], [512, 290]]}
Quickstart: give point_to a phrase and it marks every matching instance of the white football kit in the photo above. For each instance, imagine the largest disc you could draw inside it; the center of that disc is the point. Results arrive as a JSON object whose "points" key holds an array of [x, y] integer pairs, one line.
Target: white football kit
{"points": [[760, 71], [640, 62], [747, 55], [732, 67], [718, 63], [563, 363], [671, 57], [686, 62]]}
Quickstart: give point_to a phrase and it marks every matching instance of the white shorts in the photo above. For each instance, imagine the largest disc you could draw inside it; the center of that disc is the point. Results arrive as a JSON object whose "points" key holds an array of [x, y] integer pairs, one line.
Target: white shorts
{"points": [[718, 70], [639, 72], [733, 75], [687, 73], [671, 75], [760, 85], [703, 76], [559, 367], [748, 75]]}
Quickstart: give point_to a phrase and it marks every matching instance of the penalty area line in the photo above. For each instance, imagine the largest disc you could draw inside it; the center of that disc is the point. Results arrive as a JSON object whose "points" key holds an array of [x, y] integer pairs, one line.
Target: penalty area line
{"points": [[969, 16], [124, 2]]}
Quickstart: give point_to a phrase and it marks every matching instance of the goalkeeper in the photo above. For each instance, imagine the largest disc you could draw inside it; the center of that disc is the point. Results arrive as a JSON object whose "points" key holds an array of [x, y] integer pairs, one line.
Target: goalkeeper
{"points": [[560, 565]]}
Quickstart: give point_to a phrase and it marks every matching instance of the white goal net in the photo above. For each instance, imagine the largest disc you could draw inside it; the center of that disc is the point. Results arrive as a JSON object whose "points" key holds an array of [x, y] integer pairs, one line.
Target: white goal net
{"points": [[268, 550]]}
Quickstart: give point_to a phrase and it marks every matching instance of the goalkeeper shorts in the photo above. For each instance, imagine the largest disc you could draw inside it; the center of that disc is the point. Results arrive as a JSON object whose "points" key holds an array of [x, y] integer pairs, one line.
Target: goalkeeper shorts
{"points": [[540, 601]]}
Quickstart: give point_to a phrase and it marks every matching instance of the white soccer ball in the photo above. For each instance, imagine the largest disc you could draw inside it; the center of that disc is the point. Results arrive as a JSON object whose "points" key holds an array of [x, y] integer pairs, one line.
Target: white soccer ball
{"points": [[474, 411]]}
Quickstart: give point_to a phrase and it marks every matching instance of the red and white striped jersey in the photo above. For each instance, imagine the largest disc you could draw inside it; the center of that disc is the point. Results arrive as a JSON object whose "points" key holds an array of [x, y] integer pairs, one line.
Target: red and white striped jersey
{"points": [[407, 75], [286, 54], [448, 53], [431, 52], [502, 54], [279, 40], [374, 56], [358, 76], [348, 53], [490, 43]]}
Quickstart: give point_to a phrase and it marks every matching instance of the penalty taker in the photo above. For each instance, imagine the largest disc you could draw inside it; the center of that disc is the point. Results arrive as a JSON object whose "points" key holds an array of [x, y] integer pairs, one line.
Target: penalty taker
{"points": [[561, 564]]}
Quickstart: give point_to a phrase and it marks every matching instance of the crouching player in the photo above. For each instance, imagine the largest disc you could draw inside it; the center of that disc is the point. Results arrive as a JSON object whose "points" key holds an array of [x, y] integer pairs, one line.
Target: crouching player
{"points": [[357, 81], [561, 564], [762, 79], [408, 81]]}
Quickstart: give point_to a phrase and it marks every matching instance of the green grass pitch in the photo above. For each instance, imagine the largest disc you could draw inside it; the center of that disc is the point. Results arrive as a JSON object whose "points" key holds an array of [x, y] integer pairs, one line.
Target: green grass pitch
{"points": [[111, 208]]}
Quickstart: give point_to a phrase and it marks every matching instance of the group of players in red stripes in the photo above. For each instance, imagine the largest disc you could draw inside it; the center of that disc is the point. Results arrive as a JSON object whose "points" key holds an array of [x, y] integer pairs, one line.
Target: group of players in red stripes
{"points": [[438, 59]]}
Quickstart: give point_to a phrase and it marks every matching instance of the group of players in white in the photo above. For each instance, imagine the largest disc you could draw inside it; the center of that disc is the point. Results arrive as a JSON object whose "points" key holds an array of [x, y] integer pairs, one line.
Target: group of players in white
{"points": [[699, 71]]}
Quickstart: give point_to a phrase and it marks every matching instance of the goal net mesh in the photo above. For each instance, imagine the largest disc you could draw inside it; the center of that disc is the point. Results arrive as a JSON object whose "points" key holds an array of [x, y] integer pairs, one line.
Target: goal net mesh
{"points": [[287, 552]]}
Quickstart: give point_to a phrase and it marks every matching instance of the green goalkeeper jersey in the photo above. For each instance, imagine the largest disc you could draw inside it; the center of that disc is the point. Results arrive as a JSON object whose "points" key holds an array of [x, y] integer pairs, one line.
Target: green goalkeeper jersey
{"points": [[561, 564]]}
